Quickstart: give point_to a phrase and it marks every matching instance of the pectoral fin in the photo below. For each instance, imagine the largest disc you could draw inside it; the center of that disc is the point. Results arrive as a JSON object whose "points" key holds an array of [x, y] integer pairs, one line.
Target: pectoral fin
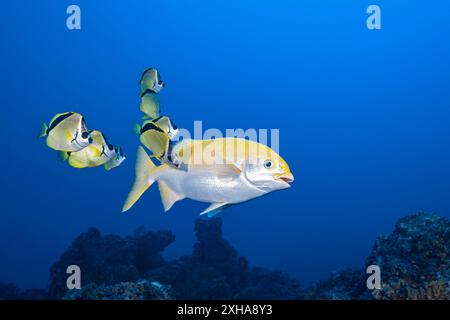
{"points": [[215, 208], [225, 168], [68, 135], [168, 196]]}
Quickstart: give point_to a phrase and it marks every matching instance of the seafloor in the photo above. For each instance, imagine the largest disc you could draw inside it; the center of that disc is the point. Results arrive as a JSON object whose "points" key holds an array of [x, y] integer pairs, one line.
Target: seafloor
{"points": [[414, 260]]}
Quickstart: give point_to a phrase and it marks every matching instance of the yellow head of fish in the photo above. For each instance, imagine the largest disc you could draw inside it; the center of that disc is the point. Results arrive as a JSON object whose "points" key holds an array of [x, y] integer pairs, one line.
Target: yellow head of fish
{"points": [[265, 169]]}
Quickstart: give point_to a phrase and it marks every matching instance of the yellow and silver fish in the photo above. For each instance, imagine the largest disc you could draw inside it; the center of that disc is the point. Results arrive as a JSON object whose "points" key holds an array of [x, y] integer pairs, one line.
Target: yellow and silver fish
{"points": [[99, 152], [221, 172], [150, 85], [116, 160], [66, 132]]}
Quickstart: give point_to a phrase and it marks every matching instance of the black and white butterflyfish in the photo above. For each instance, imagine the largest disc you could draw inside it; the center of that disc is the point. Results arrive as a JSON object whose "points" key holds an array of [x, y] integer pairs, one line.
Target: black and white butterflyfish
{"points": [[150, 85], [167, 125], [116, 160], [157, 135], [66, 132], [98, 153], [151, 80]]}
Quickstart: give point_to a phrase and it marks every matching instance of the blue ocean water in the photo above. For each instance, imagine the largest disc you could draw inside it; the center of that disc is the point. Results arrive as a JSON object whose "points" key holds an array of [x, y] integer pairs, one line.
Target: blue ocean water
{"points": [[364, 119]]}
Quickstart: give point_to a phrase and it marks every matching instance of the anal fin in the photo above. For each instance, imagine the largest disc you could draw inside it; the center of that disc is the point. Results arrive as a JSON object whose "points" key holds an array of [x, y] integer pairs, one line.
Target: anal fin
{"points": [[63, 155], [215, 208], [168, 196]]}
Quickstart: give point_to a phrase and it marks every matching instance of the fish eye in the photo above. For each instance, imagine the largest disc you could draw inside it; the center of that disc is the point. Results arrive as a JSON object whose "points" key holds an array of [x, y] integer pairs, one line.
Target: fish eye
{"points": [[268, 164], [110, 147], [85, 135]]}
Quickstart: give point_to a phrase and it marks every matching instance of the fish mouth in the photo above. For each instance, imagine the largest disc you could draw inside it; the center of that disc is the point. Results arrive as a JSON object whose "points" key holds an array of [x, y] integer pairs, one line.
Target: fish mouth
{"points": [[287, 178]]}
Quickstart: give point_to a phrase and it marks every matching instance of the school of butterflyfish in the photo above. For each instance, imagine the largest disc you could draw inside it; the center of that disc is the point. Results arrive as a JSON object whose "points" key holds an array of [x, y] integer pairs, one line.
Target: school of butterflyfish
{"points": [[81, 148], [221, 171]]}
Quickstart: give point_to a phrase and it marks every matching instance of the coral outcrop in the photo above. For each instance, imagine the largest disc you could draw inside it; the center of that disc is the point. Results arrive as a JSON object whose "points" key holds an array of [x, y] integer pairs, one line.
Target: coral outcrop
{"points": [[9, 291], [216, 271], [139, 290], [115, 267], [343, 285], [414, 261], [109, 259]]}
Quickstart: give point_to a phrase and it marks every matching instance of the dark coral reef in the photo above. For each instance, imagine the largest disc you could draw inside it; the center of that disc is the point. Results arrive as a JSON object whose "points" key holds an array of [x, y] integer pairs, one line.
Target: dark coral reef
{"points": [[9, 291], [132, 268], [216, 271], [414, 261], [109, 259], [343, 285], [138, 290]]}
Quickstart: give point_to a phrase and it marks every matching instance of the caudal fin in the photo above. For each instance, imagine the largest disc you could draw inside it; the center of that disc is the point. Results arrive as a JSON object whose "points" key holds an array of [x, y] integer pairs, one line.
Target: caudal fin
{"points": [[143, 180], [43, 131], [137, 129]]}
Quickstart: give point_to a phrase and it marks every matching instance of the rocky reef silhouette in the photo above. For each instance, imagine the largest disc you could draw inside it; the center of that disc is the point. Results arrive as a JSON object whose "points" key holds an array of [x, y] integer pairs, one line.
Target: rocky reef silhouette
{"points": [[9, 291], [216, 271], [127, 265], [414, 261], [109, 259], [138, 290]]}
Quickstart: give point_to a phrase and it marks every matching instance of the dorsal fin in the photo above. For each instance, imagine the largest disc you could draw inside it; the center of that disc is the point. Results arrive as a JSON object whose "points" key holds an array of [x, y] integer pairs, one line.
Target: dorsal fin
{"points": [[150, 126], [147, 91], [58, 120]]}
